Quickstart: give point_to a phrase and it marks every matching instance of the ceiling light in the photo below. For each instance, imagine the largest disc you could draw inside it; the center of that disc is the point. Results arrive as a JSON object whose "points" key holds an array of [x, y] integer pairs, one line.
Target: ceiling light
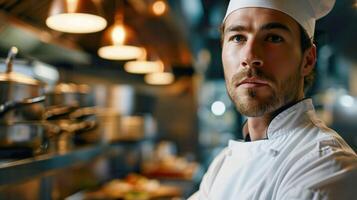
{"points": [[120, 42], [143, 66], [120, 52], [75, 16], [159, 78], [159, 7]]}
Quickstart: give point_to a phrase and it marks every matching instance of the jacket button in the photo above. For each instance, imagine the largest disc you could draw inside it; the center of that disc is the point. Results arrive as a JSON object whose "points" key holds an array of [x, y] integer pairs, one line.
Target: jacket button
{"points": [[273, 152]]}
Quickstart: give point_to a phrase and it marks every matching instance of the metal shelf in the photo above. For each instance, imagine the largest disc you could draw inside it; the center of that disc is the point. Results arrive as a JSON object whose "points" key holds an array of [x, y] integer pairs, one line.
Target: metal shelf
{"points": [[15, 171]]}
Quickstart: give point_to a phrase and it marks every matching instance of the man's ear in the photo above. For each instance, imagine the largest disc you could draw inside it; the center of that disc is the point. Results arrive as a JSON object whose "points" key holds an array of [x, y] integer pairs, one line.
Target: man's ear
{"points": [[309, 60]]}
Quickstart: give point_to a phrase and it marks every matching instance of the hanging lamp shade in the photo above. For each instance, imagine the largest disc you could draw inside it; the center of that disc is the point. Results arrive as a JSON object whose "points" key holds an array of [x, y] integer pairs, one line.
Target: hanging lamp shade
{"points": [[120, 43], [144, 66], [162, 77], [75, 16], [119, 52], [159, 78]]}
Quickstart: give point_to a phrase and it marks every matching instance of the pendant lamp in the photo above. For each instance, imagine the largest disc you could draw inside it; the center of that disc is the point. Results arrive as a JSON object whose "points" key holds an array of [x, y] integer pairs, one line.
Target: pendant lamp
{"points": [[76, 16], [144, 66], [159, 78], [119, 41], [163, 77], [159, 7]]}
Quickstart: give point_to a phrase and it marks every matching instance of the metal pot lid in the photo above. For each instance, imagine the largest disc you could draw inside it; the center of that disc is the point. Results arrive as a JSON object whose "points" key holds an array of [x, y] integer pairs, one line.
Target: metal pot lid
{"points": [[10, 76], [18, 78]]}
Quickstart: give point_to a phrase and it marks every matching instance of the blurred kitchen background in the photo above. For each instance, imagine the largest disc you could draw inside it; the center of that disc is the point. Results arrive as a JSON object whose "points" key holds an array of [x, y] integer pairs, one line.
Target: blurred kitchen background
{"points": [[135, 106]]}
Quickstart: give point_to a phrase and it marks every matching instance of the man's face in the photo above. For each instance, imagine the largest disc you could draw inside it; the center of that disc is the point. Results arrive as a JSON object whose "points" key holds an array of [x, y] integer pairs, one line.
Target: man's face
{"points": [[262, 60]]}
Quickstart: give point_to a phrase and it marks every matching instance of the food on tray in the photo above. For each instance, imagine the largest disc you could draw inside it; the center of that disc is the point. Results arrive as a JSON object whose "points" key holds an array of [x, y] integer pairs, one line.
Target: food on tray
{"points": [[133, 187], [170, 167]]}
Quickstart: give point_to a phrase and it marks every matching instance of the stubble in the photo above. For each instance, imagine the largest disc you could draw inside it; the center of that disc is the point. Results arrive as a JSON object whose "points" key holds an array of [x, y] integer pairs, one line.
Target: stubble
{"points": [[252, 105]]}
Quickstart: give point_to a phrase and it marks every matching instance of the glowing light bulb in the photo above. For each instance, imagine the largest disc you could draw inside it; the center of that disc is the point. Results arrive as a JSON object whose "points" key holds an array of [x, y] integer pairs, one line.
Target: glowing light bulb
{"points": [[118, 35], [72, 5], [159, 8]]}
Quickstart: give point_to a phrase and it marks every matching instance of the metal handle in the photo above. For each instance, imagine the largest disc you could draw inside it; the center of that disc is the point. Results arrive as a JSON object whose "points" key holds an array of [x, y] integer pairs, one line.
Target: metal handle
{"points": [[10, 57], [13, 104]]}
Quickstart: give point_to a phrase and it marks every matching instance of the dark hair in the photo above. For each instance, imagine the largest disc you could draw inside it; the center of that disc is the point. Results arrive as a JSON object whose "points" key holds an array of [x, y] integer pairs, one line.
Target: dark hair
{"points": [[305, 43]]}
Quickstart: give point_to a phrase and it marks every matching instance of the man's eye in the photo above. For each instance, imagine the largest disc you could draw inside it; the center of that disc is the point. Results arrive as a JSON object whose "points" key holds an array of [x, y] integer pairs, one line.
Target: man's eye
{"points": [[274, 39], [238, 38]]}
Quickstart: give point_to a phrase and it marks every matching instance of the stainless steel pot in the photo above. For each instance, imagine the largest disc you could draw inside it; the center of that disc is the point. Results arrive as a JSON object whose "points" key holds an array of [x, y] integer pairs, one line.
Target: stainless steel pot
{"points": [[26, 139], [21, 96], [70, 94]]}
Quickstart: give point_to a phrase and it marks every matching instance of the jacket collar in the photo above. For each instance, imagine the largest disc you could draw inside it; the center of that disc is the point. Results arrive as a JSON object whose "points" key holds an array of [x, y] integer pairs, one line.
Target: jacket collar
{"points": [[286, 120], [289, 119]]}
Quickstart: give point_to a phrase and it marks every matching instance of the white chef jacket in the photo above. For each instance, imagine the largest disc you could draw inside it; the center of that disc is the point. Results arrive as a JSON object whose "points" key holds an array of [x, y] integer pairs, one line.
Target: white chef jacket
{"points": [[302, 159]]}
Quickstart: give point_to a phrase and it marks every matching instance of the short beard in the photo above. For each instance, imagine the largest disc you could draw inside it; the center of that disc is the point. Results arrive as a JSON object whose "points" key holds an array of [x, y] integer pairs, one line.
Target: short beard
{"points": [[258, 109], [287, 93]]}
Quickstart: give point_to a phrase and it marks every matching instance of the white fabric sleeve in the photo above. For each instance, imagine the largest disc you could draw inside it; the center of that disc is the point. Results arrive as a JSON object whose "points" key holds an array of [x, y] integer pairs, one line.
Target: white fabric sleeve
{"points": [[209, 177], [195, 196], [327, 174]]}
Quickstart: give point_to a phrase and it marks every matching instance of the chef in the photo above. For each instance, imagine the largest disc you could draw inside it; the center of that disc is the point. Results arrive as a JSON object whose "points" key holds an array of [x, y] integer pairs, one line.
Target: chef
{"points": [[288, 153]]}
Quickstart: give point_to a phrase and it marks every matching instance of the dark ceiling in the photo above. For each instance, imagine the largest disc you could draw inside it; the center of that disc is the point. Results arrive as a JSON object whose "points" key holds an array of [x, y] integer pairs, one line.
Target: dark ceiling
{"points": [[161, 36], [339, 28], [179, 35]]}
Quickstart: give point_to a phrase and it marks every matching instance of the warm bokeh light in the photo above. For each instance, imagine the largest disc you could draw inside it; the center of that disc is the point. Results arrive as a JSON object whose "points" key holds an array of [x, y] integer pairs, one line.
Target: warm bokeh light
{"points": [[143, 66], [72, 5], [76, 23], [120, 52], [118, 47], [118, 34], [159, 78], [159, 7], [75, 16]]}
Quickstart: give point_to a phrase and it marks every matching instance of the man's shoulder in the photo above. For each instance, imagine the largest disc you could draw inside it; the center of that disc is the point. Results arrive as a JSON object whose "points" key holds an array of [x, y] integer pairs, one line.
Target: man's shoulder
{"points": [[323, 165], [315, 146], [323, 139], [330, 148], [324, 143]]}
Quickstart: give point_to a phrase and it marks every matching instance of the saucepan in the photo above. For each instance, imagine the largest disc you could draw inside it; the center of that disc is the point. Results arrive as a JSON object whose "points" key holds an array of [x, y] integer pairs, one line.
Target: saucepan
{"points": [[21, 97], [25, 139], [70, 94]]}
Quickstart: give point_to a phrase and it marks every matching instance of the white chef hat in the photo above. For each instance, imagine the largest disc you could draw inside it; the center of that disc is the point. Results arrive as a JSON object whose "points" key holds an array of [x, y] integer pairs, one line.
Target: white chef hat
{"points": [[305, 12]]}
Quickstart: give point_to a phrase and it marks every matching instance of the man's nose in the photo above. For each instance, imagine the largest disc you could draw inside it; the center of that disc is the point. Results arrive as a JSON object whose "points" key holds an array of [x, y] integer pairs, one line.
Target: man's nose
{"points": [[252, 62], [251, 55]]}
